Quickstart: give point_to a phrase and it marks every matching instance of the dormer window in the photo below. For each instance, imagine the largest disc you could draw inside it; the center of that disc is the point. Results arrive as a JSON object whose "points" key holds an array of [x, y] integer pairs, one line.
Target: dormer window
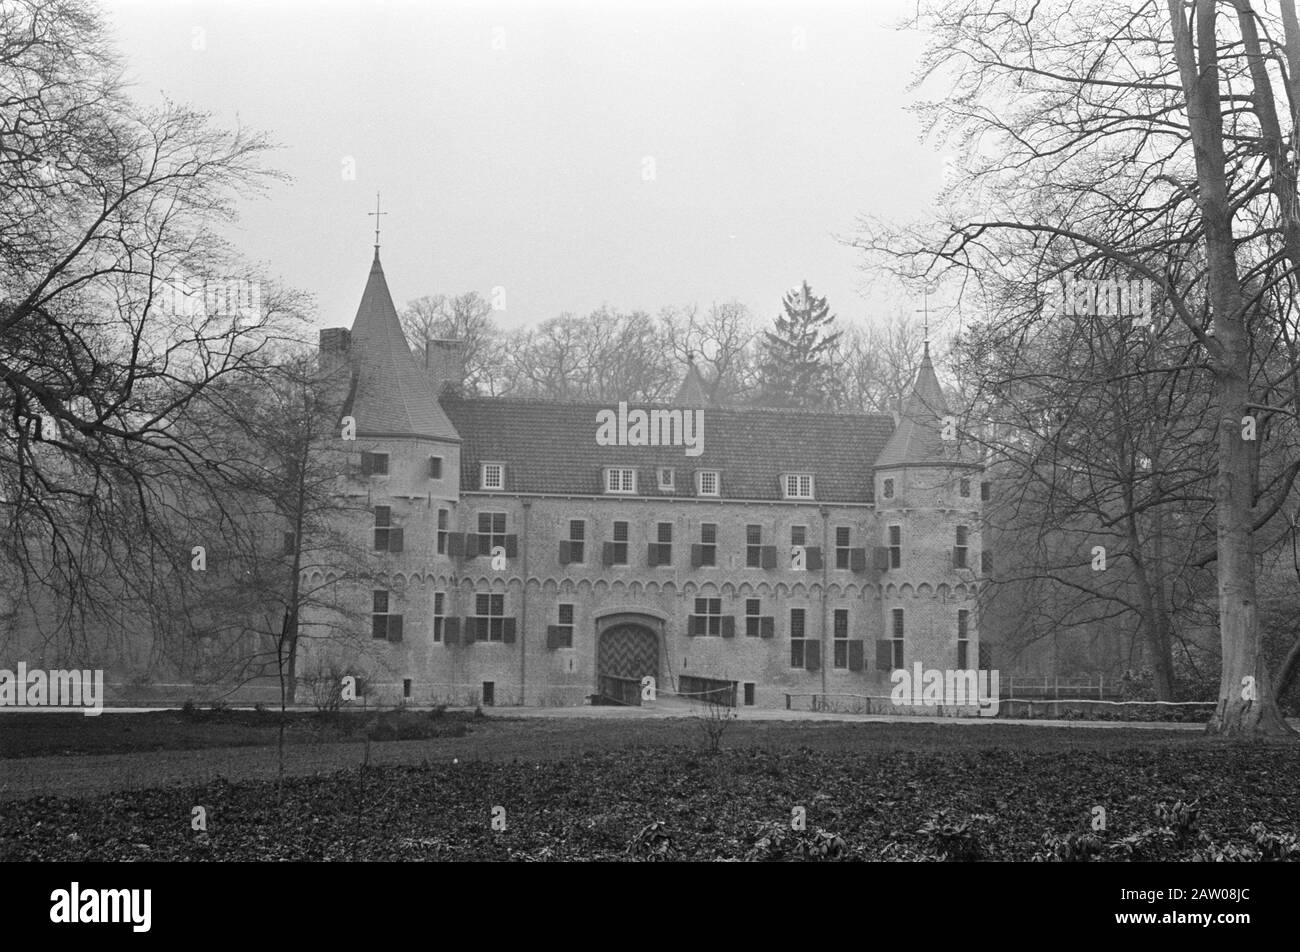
{"points": [[797, 485], [707, 483], [667, 479], [493, 476], [620, 480]]}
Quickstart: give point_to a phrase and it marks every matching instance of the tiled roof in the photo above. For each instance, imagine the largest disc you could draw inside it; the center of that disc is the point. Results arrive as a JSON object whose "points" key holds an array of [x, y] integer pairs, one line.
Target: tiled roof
{"points": [[919, 436], [391, 394], [550, 447]]}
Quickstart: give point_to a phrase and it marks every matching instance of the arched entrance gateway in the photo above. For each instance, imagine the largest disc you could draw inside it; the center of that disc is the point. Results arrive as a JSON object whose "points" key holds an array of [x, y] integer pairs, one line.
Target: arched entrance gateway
{"points": [[626, 652]]}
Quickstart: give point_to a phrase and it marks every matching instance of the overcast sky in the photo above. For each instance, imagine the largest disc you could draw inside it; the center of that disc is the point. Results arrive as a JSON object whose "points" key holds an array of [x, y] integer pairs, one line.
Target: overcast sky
{"points": [[513, 143]]}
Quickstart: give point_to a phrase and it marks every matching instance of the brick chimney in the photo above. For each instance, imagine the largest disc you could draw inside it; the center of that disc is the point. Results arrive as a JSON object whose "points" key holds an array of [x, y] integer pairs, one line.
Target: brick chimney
{"points": [[444, 362]]}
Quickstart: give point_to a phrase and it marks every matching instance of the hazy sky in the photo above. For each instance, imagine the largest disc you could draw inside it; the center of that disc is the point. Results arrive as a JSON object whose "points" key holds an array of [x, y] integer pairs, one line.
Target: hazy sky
{"points": [[513, 143]]}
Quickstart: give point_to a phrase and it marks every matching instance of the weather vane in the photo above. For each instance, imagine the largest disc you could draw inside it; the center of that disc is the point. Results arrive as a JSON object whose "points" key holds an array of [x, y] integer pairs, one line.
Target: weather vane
{"points": [[376, 213]]}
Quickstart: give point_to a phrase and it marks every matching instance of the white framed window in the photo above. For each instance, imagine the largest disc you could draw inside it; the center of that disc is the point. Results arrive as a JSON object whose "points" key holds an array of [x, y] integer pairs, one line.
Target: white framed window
{"points": [[707, 483], [620, 480], [493, 476], [798, 485], [667, 478]]}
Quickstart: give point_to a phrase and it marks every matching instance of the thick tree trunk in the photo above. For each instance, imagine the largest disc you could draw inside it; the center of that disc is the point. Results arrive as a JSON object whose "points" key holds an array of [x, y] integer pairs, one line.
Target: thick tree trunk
{"points": [[1247, 704]]}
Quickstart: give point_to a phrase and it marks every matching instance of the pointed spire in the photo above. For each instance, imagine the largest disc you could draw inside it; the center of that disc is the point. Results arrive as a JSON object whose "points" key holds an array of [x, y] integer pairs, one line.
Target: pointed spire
{"points": [[918, 436], [692, 392], [391, 396]]}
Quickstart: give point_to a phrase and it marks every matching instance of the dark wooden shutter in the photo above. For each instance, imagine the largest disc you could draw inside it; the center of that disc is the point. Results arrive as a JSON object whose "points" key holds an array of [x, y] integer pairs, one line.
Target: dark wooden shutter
{"points": [[451, 631], [471, 545], [768, 556], [394, 627], [565, 554], [881, 562], [812, 655], [470, 628], [367, 464], [288, 543], [885, 655], [697, 555], [652, 555], [986, 563], [508, 631], [693, 624], [728, 626], [813, 558], [512, 546], [607, 554], [767, 626], [858, 560], [455, 544], [395, 540], [855, 655], [552, 636]]}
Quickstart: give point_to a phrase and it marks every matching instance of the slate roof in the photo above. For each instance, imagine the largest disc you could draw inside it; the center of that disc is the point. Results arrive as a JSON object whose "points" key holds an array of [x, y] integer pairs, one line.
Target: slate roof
{"points": [[919, 436], [391, 394], [550, 447]]}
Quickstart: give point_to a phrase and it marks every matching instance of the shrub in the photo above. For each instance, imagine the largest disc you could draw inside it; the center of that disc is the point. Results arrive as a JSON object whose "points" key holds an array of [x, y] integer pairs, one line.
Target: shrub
{"points": [[652, 844], [953, 841]]}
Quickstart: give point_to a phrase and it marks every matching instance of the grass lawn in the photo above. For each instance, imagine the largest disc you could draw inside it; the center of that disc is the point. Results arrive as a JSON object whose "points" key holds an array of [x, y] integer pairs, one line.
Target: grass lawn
{"points": [[595, 789]]}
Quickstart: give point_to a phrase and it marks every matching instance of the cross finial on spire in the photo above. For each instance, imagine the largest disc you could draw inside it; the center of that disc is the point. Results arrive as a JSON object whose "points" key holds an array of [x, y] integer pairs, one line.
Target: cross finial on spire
{"points": [[376, 213], [925, 310]]}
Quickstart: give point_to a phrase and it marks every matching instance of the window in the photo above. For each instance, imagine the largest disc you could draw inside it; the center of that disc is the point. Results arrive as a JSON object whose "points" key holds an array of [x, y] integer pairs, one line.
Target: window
{"points": [[963, 488], [889, 489], [442, 531], [798, 535], [491, 530], [841, 630], [708, 616], [439, 614], [753, 624], [753, 546], [963, 638], [406, 687], [490, 610], [661, 552], [960, 549], [620, 480], [493, 476], [374, 464], [843, 551], [895, 547], [798, 655], [435, 467], [667, 478], [798, 486], [618, 547], [985, 489], [896, 653], [383, 623], [577, 540], [383, 522], [706, 553], [707, 483], [564, 633], [749, 693]]}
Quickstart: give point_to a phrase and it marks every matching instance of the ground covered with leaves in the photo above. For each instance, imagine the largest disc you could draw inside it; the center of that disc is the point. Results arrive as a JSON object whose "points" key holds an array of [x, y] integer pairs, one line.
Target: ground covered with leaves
{"points": [[1162, 801]]}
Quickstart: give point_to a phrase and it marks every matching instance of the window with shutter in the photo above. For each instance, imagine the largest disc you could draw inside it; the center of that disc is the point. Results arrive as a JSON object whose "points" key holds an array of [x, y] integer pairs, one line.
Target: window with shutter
{"points": [[881, 554], [767, 626], [812, 655], [813, 558], [552, 636], [769, 556], [856, 661], [753, 546], [396, 540], [565, 557], [508, 631], [728, 626], [394, 627], [858, 560], [451, 631], [843, 549]]}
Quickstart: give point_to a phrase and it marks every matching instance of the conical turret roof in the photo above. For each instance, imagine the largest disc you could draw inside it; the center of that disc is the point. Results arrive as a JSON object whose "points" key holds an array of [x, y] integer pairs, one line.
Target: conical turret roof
{"points": [[918, 438]]}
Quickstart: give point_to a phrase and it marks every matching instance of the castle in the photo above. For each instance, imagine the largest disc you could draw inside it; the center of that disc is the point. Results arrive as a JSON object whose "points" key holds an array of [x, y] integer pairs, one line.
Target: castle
{"points": [[542, 553]]}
